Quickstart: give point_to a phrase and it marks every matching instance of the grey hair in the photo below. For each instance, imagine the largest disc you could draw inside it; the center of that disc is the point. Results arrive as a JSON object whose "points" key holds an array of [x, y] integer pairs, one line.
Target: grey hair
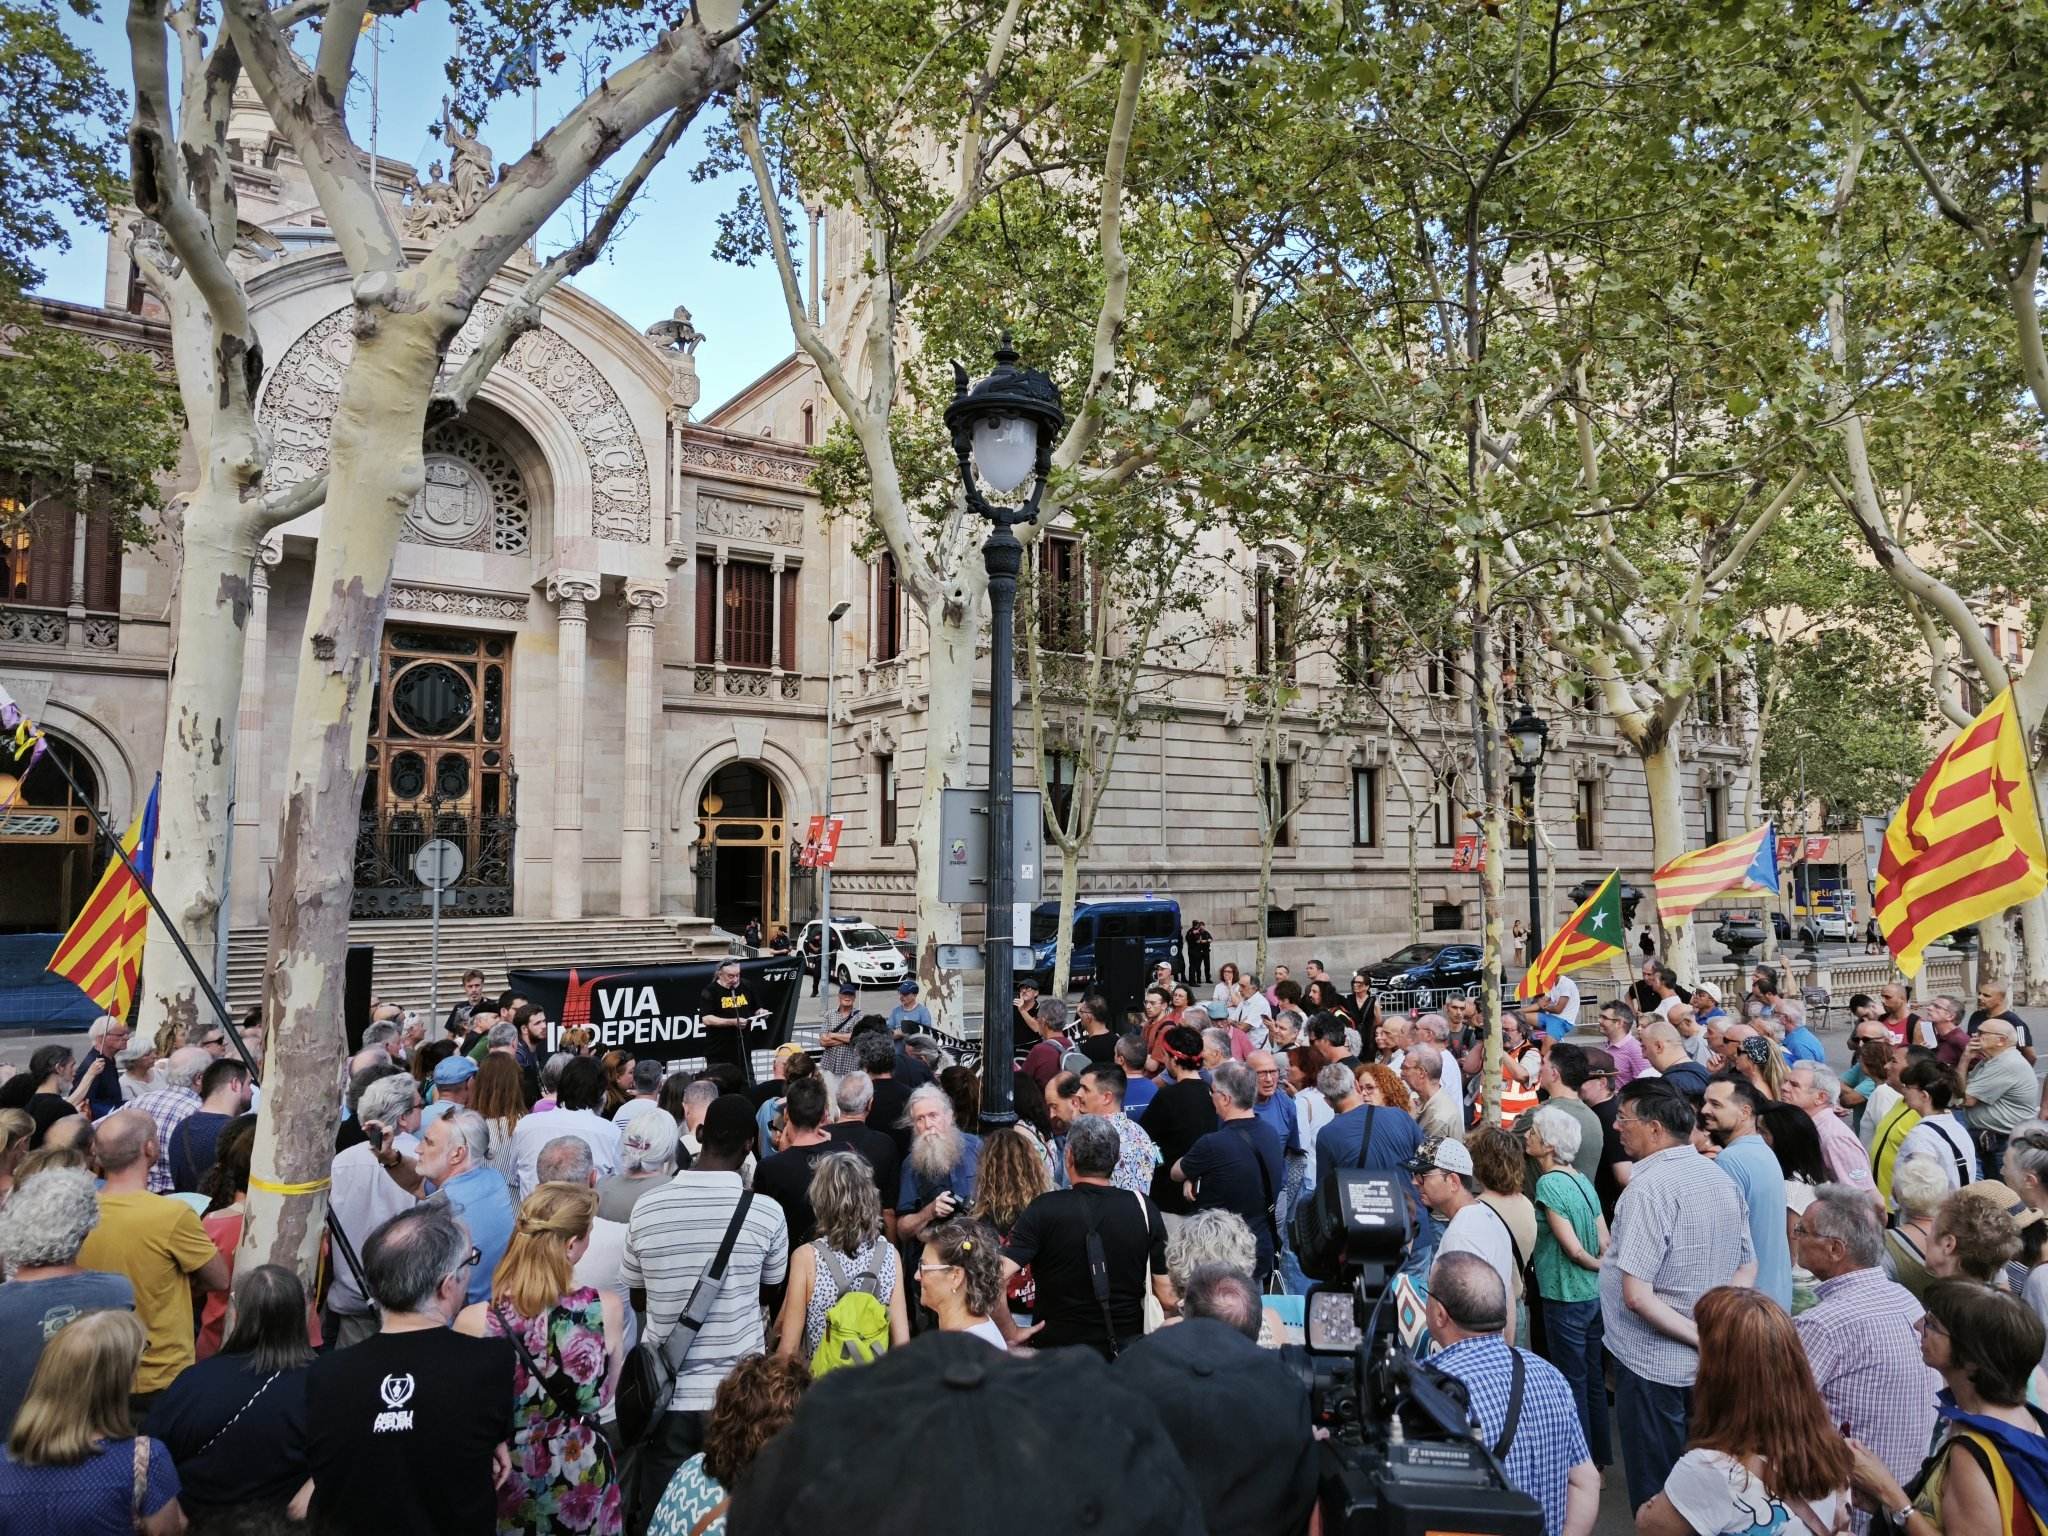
{"points": [[1826, 1081], [133, 1052], [102, 1026], [1434, 1025], [1336, 1081], [1093, 1144], [1209, 1238], [1427, 1059], [1469, 1288], [647, 1075], [1791, 1012], [187, 1065], [2028, 1149], [379, 1032], [565, 1160], [1919, 1185], [474, 1132], [700, 1093], [408, 1257], [388, 1099], [1560, 1131], [48, 1217], [648, 1143], [1052, 1013], [1236, 1079], [551, 1074], [501, 1034], [1952, 1003], [1217, 1039], [1850, 1216], [1227, 1295], [925, 1049], [856, 1092], [930, 1093]]}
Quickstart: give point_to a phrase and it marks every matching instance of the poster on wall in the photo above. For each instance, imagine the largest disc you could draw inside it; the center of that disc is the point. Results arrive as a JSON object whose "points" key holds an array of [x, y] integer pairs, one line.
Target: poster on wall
{"points": [[652, 1010]]}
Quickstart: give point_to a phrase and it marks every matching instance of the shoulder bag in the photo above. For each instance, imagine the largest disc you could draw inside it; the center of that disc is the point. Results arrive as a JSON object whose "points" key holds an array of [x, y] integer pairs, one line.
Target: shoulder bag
{"points": [[647, 1381]]}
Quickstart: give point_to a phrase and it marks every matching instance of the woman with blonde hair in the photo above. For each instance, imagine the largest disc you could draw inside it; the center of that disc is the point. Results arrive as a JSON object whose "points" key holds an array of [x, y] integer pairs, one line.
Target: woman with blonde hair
{"points": [[74, 1461], [498, 1093], [848, 1253], [1012, 1174], [568, 1346], [16, 1128]]}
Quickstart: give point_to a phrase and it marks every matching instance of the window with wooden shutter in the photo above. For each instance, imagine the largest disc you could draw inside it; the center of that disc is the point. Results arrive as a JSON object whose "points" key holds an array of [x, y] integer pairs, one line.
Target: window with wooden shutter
{"points": [[749, 614], [1063, 616], [885, 628], [102, 563], [37, 554], [1262, 623], [707, 610], [787, 653]]}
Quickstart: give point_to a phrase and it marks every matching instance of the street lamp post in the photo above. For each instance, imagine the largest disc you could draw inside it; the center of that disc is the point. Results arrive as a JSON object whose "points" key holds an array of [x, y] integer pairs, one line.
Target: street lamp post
{"points": [[826, 995], [1527, 737], [1003, 428]]}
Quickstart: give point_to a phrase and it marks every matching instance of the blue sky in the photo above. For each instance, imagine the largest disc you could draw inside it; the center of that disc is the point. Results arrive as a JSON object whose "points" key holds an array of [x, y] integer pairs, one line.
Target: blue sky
{"points": [[661, 260]]}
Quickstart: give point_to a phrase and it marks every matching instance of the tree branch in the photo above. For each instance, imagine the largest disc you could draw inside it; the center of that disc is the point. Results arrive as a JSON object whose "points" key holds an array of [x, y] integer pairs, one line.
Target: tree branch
{"points": [[281, 506], [340, 34], [1944, 199], [1729, 567], [968, 190]]}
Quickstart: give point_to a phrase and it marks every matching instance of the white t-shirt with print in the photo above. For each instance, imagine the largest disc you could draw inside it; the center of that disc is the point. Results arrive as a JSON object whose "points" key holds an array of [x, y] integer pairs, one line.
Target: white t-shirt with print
{"points": [[1718, 1496]]}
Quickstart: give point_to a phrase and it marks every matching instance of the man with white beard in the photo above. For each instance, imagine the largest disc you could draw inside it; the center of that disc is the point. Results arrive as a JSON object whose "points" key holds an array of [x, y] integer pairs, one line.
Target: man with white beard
{"points": [[938, 1174]]}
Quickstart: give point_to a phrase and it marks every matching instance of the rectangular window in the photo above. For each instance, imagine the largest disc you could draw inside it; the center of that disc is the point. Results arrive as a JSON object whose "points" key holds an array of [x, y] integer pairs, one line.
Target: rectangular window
{"points": [[35, 557], [1058, 771], [748, 614], [1357, 667], [885, 795], [810, 424], [1447, 916], [1365, 807], [1274, 603], [1062, 594], [1443, 814], [1440, 675], [1276, 783], [1717, 814], [1521, 815], [1586, 817], [885, 614]]}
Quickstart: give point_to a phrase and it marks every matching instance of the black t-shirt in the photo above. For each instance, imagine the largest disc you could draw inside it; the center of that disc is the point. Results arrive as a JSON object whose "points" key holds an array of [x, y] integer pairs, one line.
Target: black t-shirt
{"points": [[892, 1100], [1225, 1168], [785, 1178], [720, 1043], [880, 1151], [226, 1456], [1604, 1183], [1179, 1115], [764, 1092], [2023, 1036], [400, 1430], [1052, 1237], [192, 1147], [1100, 1049]]}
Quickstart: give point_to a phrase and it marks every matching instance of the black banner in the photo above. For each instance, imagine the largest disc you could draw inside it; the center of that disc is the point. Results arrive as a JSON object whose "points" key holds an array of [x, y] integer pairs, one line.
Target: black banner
{"points": [[651, 1010]]}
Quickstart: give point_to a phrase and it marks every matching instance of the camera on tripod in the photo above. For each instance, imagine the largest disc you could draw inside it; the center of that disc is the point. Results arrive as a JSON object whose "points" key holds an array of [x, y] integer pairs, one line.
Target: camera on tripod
{"points": [[1402, 1458]]}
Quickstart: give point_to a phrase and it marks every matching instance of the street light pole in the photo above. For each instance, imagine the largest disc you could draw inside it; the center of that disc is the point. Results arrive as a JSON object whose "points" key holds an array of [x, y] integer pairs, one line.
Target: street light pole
{"points": [[1004, 428], [1527, 737], [828, 998]]}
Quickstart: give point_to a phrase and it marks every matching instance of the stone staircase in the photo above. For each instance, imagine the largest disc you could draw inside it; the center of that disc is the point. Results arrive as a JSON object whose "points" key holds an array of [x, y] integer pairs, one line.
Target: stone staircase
{"points": [[492, 945]]}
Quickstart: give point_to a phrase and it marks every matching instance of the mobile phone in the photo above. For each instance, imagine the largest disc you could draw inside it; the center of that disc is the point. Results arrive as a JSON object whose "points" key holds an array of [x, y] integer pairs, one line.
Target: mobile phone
{"points": [[376, 1135]]}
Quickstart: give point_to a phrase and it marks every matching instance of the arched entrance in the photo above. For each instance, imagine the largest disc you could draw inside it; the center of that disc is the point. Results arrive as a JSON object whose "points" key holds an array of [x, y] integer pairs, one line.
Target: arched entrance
{"points": [[742, 849], [51, 844]]}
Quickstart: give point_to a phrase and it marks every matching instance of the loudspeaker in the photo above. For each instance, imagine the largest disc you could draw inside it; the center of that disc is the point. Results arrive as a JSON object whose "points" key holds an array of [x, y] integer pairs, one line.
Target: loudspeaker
{"points": [[355, 1000], [1120, 973]]}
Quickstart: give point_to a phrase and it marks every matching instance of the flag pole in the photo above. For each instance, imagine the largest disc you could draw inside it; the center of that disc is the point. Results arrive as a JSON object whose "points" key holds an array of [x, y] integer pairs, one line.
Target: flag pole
{"points": [[234, 1035], [376, 61]]}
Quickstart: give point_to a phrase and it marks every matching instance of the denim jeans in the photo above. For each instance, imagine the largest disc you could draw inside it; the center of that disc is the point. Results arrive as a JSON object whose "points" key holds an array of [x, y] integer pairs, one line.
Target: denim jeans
{"points": [[1577, 1349], [1656, 1419]]}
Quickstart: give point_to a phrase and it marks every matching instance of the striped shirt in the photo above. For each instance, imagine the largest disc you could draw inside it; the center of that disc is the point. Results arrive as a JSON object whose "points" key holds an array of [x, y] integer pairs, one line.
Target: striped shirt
{"points": [[1860, 1340], [1672, 1227], [672, 1238], [167, 1107]]}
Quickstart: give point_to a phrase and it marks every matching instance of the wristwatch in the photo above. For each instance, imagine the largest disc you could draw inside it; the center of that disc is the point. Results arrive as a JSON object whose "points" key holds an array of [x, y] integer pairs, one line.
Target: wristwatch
{"points": [[1901, 1515]]}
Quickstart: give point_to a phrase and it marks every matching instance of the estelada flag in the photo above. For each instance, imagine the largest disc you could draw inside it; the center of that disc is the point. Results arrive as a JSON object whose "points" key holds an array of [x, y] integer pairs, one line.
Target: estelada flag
{"points": [[101, 954], [1966, 844], [1745, 863], [1592, 933]]}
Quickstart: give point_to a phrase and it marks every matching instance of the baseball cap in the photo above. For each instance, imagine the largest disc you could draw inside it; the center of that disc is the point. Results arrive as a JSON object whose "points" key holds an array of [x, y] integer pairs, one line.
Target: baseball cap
{"points": [[859, 1453], [1710, 989], [848, 989], [729, 1122], [453, 1071], [1445, 1154], [907, 985]]}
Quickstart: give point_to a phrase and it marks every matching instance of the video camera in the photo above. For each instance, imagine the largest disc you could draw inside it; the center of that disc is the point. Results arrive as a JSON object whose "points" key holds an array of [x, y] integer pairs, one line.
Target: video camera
{"points": [[1402, 1458]]}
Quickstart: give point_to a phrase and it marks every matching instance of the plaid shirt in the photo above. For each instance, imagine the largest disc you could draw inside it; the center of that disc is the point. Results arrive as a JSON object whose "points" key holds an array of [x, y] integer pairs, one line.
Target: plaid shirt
{"points": [[1548, 1441], [1682, 1225], [1859, 1339], [168, 1107]]}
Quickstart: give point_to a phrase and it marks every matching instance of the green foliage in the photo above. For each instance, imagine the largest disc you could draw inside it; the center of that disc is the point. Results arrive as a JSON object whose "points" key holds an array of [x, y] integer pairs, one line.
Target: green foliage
{"points": [[60, 145], [1852, 715]]}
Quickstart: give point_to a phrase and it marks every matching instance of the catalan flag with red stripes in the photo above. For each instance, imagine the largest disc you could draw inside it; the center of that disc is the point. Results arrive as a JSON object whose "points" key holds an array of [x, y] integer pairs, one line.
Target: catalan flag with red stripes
{"points": [[102, 953], [1590, 934], [1745, 863], [1966, 845]]}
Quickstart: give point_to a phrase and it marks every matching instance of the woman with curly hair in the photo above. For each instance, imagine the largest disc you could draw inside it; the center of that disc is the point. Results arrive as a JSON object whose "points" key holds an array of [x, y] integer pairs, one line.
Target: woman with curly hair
{"points": [[960, 1277], [1380, 1084], [849, 1248], [1012, 1175], [754, 1404], [1770, 1460], [568, 1345]]}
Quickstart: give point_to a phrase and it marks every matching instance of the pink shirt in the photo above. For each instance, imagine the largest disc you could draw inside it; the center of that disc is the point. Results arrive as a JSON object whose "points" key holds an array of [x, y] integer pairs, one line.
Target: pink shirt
{"points": [[1628, 1060], [1842, 1151]]}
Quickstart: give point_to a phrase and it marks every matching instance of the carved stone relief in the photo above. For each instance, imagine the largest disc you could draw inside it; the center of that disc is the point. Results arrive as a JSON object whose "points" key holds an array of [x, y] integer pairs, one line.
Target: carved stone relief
{"points": [[720, 459], [453, 601], [760, 521]]}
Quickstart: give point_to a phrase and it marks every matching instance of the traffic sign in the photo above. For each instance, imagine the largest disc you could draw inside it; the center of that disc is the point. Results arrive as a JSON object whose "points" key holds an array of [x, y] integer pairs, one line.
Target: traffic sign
{"points": [[438, 864]]}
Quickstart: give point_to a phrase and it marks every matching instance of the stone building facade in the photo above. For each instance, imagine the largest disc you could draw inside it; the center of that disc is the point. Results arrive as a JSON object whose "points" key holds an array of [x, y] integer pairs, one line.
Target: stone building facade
{"points": [[605, 662]]}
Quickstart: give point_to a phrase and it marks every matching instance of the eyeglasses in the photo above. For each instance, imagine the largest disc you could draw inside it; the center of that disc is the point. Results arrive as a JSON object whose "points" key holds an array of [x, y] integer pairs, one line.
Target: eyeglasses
{"points": [[1927, 1322], [1621, 1120], [476, 1257], [925, 1268]]}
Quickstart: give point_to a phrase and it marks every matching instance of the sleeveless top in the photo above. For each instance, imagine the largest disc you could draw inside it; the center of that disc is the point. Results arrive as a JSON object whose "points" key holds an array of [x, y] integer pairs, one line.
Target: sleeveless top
{"points": [[873, 1257]]}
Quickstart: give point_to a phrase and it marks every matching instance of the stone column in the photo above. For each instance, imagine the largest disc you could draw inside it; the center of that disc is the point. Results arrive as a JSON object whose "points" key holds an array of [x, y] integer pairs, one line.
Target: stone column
{"points": [[246, 904], [569, 593], [643, 710]]}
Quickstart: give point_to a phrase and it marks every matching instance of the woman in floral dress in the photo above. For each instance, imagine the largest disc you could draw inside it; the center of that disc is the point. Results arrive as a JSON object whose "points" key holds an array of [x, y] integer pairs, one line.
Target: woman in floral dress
{"points": [[567, 1345]]}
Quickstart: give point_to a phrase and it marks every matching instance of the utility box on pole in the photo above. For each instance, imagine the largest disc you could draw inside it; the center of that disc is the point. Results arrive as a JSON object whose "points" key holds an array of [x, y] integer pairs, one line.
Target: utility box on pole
{"points": [[963, 846]]}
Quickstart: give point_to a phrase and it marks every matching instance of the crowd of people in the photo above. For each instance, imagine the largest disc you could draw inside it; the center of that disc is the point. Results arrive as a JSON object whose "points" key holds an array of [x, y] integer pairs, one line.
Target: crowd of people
{"points": [[572, 1291]]}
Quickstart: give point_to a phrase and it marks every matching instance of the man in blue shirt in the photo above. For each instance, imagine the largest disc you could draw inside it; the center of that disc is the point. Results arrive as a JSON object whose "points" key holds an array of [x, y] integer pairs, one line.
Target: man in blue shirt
{"points": [[909, 1016], [454, 1155], [1342, 1143], [1801, 1043], [939, 1169], [1731, 1114]]}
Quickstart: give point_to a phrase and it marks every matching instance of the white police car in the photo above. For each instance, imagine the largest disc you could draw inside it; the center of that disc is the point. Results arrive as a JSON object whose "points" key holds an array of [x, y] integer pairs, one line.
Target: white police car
{"points": [[861, 953]]}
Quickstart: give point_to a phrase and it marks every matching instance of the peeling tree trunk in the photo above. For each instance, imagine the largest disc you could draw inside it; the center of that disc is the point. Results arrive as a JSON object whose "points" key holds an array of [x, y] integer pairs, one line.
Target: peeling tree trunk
{"points": [[376, 470], [1667, 842], [950, 671], [1063, 949]]}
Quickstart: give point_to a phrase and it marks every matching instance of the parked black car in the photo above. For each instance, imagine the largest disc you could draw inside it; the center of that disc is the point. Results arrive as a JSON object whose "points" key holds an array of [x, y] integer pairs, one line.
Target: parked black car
{"points": [[1631, 898], [1435, 966]]}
